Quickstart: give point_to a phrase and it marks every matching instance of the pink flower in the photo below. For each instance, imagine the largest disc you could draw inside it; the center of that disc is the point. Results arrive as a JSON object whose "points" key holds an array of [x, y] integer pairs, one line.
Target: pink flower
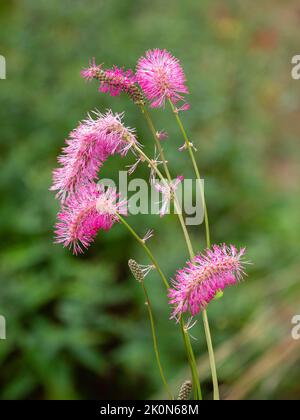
{"points": [[86, 212], [198, 283], [161, 78], [117, 80], [114, 81], [88, 146]]}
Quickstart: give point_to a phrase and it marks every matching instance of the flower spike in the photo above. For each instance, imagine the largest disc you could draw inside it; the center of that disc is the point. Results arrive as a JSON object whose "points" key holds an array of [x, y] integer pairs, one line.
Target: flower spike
{"points": [[114, 81], [198, 283], [88, 147], [86, 212]]}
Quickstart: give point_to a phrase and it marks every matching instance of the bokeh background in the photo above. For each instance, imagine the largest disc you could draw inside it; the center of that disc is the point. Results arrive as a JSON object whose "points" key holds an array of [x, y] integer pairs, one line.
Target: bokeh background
{"points": [[77, 327]]}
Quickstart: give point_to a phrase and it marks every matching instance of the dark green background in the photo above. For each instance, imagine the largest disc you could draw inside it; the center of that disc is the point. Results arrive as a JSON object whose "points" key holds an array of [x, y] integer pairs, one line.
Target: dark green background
{"points": [[77, 327]]}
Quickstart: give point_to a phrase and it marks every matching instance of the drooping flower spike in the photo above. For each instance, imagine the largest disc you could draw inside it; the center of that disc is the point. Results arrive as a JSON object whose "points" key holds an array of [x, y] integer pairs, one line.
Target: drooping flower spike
{"points": [[161, 77], [88, 147], [114, 81], [84, 213], [207, 274], [117, 80]]}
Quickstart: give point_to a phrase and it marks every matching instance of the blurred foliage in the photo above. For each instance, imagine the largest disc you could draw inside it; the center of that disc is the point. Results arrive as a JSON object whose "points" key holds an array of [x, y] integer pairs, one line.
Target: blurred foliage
{"points": [[77, 327]]}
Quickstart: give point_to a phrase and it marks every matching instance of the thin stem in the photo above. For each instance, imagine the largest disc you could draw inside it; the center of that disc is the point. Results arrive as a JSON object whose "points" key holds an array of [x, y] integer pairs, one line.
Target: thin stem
{"points": [[148, 304], [151, 256], [191, 356], [186, 338], [197, 172], [150, 162], [176, 204], [192, 362], [184, 229], [154, 134], [155, 344], [166, 169], [211, 354]]}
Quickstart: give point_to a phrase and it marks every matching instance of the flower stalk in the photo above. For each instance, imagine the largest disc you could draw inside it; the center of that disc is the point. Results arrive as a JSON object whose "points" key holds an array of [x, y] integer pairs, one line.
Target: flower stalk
{"points": [[147, 250], [139, 276], [192, 360], [168, 175], [211, 354], [186, 338], [186, 235], [196, 170]]}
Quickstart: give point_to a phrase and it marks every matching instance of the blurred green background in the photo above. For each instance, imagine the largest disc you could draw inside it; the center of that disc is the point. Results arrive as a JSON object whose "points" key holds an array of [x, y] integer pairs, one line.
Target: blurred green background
{"points": [[77, 327]]}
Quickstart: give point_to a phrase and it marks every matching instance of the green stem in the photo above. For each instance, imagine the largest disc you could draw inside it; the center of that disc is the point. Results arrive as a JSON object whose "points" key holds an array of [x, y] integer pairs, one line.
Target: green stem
{"points": [[197, 172], [192, 362], [166, 169], [211, 354], [177, 207], [157, 142], [191, 356], [155, 344], [149, 253], [149, 308], [186, 338]]}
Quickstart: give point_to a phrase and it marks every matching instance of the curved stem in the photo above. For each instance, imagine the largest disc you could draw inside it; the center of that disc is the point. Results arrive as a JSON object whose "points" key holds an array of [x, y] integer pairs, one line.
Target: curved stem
{"points": [[186, 338], [157, 142], [176, 204], [150, 162], [192, 362], [151, 256], [149, 308], [166, 169], [211, 354], [196, 170], [191, 356], [155, 344]]}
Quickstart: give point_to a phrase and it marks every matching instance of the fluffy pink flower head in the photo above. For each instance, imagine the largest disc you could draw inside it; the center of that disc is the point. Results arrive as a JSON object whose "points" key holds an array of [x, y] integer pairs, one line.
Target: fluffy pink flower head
{"points": [[88, 146], [161, 77], [198, 283], [86, 212]]}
